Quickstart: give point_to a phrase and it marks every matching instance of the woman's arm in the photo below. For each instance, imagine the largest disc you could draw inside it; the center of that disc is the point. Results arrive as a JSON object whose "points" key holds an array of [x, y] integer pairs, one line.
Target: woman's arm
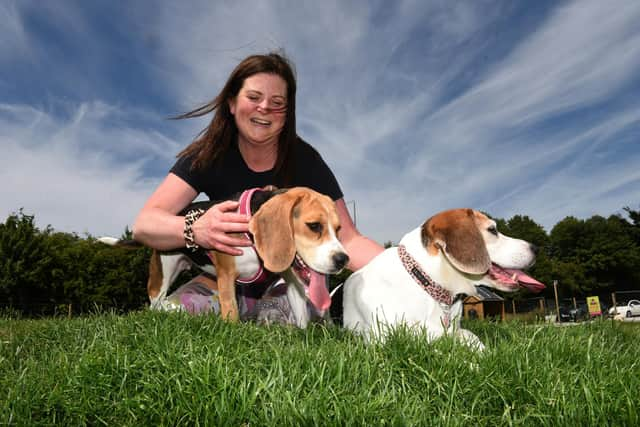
{"points": [[360, 249], [159, 227]]}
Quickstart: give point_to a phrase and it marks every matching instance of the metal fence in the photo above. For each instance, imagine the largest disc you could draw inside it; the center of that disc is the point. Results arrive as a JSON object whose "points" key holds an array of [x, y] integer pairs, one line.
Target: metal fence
{"points": [[568, 309]]}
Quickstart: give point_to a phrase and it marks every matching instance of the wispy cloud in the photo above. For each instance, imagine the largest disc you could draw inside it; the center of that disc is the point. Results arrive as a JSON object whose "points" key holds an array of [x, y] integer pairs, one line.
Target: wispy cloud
{"points": [[13, 38], [417, 106], [76, 173], [492, 141]]}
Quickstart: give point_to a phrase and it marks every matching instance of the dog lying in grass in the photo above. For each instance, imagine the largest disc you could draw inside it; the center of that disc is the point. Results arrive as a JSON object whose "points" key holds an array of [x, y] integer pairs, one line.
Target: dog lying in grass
{"points": [[420, 283]]}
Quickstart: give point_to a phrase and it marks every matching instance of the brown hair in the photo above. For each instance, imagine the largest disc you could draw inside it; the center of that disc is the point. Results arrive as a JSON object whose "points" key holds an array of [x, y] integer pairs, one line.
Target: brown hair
{"points": [[213, 142]]}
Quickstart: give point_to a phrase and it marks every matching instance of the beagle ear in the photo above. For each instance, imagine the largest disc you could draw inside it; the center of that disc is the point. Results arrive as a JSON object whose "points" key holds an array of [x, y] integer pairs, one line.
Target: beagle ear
{"points": [[272, 230], [457, 235]]}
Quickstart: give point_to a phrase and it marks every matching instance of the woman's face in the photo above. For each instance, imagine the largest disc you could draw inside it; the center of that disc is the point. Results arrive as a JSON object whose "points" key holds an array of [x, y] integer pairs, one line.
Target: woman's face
{"points": [[260, 109]]}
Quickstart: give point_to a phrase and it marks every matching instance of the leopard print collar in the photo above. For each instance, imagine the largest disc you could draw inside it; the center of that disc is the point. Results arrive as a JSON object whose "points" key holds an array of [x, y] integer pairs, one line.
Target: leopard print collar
{"points": [[438, 293]]}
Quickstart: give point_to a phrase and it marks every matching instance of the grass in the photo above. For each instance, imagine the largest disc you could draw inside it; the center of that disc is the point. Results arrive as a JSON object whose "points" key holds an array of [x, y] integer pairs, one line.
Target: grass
{"points": [[149, 368]]}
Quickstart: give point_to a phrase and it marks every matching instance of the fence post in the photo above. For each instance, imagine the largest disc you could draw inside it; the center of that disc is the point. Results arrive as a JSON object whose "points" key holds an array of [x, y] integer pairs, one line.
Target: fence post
{"points": [[615, 305], [555, 292], [69, 314]]}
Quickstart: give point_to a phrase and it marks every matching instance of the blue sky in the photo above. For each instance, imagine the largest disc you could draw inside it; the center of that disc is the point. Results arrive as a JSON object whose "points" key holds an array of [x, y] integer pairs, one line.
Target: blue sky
{"points": [[418, 106]]}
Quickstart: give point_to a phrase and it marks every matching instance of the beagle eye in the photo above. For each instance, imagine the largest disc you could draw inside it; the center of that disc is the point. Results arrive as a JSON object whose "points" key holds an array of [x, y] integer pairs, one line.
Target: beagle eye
{"points": [[493, 230], [316, 227]]}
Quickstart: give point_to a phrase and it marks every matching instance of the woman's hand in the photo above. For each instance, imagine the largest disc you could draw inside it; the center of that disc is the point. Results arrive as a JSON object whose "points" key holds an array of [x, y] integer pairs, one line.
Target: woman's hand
{"points": [[216, 227]]}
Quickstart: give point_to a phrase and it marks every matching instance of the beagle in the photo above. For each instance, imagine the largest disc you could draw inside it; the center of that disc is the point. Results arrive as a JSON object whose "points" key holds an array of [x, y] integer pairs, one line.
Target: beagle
{"points": [[418, 283], [295, 236]]}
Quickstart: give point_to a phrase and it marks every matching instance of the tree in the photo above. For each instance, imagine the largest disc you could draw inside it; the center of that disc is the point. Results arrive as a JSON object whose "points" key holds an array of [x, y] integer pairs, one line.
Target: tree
{"points": [[566, 237], [523, 227], [634, 226], [25, 262], [41, 270], [572, 279], [127, 234], [603, 248], [634, 215]]}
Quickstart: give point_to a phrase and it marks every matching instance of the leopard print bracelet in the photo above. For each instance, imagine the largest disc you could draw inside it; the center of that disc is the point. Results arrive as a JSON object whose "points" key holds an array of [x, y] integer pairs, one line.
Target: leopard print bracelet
{"points": [[191, 217]]}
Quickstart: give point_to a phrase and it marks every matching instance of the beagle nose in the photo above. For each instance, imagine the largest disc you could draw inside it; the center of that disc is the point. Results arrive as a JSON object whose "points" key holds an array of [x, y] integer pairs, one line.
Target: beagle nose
{"points": [[340, 260]]}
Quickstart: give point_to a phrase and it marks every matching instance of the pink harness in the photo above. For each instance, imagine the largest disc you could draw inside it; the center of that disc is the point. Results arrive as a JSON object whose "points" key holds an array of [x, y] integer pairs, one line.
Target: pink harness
{"points": [[244, 208]]}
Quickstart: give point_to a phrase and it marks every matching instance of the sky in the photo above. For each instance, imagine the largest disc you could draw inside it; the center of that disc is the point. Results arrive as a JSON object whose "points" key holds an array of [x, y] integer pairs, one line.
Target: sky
{"points": [[512, 108]]}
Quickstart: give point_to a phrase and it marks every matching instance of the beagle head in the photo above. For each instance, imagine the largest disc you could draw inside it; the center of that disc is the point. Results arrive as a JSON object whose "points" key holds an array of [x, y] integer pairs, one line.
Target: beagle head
{"points": [[473, 246], [299, 222]]}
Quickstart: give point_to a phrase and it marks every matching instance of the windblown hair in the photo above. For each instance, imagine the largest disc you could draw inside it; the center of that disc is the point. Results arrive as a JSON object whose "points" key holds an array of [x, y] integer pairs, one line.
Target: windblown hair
{"points": [[213, 142]]}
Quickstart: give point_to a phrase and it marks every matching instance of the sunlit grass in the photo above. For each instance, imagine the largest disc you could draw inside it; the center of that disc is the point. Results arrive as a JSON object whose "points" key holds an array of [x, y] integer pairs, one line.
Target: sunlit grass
{"points": [[150, 368]]}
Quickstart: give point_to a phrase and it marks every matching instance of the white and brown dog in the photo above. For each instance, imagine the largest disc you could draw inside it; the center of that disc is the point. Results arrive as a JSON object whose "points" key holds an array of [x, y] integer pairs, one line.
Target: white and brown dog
{"points": [[416, 283], [295, 236]]}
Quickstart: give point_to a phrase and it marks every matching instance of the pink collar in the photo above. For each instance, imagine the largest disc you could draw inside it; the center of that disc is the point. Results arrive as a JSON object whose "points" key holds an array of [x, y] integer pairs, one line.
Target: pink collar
{"points": [[437, 292]]}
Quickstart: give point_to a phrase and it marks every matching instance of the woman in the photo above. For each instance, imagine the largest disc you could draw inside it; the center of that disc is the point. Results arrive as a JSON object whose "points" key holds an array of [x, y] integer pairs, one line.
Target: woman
{"points": [[250, 142]]}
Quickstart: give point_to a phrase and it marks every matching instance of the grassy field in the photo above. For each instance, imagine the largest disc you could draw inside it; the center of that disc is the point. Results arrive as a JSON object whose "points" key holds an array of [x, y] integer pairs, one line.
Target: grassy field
{"points": [[173, 369]]}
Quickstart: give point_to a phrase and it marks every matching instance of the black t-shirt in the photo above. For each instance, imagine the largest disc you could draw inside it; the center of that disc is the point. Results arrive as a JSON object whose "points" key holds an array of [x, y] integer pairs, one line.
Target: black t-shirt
{"points": [[231, 175]]}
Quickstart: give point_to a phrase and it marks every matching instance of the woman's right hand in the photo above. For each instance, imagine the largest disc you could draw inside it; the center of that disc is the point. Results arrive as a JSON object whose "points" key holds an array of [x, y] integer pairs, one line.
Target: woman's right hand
{"points": [[217, 228]]}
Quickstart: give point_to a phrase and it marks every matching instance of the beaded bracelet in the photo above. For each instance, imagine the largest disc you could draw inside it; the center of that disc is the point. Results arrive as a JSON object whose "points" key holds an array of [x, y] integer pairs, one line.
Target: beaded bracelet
{"points": [[191, 217]]}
